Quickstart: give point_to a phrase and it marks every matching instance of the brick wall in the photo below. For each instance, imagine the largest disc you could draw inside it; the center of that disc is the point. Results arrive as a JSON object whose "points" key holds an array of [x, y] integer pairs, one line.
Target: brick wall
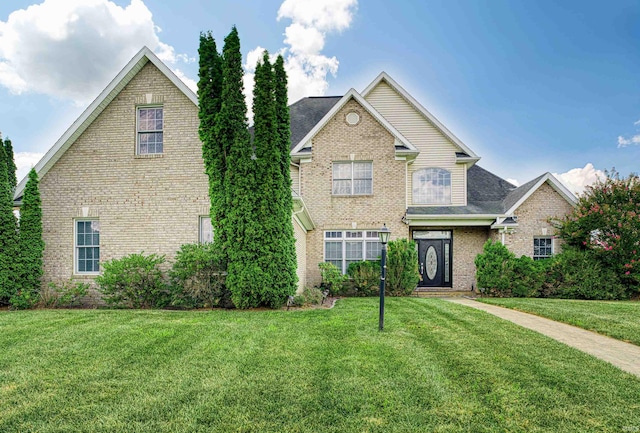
{"points": [[339, 141], [144, 204], [533, 216]]}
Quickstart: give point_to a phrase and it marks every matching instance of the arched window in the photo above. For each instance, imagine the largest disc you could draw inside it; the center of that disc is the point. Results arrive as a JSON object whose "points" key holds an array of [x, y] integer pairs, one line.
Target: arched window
{"points": [[432, 186]]}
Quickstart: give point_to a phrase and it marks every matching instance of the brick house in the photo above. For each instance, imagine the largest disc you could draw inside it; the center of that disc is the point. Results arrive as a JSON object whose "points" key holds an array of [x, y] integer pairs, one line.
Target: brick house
{"points": [[128, 176]]}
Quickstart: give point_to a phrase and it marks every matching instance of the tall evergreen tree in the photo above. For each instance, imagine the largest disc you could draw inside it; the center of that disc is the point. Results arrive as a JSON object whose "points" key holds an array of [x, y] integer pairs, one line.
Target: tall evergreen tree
{"points": [[8, 235], [284, 145], [210, 101], [30, 243], [237, 232], [11, 164], [277, 278]]}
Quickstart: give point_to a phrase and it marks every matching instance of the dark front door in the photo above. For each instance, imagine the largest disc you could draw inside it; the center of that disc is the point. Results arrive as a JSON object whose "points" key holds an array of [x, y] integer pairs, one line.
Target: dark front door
{"points": [[434, 261]]}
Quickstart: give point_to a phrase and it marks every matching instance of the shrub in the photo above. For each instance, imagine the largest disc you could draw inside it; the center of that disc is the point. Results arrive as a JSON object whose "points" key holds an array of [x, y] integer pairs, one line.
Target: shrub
{"points": [[197, 279], [134, 281], [577, 274], [526, 277], [332, 279], [365, 277], [492, 269], [312, 296], [63, 294], [402, 268]]}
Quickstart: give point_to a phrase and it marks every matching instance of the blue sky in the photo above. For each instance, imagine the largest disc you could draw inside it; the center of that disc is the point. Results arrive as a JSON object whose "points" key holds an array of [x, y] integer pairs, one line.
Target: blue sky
{"points": [[529, 86]]}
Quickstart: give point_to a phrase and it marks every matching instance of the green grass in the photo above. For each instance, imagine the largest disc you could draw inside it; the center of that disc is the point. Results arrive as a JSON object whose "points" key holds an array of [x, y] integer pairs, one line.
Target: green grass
{"points": [[437, 367], [617, 319]]}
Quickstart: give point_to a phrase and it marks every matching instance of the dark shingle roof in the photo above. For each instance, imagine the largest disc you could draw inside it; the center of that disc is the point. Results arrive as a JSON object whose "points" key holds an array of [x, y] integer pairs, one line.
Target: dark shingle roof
{"points": [[306, 113], [515, 195], [486, 193]]}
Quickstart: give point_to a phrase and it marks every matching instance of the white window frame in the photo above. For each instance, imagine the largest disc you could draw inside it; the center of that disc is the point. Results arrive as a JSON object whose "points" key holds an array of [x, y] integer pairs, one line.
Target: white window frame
{"points": [[140, 132], [365, 237], [205, 230], [351, 179], [438, 193], [542, 256], [77, 247]]}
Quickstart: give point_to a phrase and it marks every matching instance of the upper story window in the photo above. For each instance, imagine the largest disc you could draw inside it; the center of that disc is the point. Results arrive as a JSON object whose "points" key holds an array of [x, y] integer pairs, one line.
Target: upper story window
{"points": [[352, 178], [432, 186], [150, 125]]}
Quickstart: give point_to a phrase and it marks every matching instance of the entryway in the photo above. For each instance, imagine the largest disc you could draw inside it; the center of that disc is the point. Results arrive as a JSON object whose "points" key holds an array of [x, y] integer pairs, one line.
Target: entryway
{"points": [[435, 257]]}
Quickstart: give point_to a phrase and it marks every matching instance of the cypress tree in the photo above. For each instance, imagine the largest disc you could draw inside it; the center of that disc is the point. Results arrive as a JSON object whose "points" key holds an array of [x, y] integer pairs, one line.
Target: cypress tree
{"points": [[209, 102], [11, 165], [8, 235], [237, 233], [30, 243]]}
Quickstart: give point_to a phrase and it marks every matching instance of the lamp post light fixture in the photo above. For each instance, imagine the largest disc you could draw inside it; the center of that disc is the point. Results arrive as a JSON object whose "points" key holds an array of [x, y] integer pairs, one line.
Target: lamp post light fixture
{"points": [[383, 235]]}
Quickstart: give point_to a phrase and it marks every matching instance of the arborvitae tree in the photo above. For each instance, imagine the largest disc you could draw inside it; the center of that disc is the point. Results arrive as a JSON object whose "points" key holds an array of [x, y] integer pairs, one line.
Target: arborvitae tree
{"points": [[284, 145], [30, 244], [8, 235], [11, 165], [236, 233], [277, 276], [210, 101]]}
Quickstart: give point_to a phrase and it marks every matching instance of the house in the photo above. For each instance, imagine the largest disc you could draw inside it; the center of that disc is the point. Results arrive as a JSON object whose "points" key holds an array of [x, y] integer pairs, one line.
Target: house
{"points": [[128, 176]]}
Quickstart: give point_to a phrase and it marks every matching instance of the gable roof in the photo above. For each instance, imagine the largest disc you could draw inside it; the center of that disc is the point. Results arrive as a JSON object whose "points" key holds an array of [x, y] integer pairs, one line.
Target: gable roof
{"points": [[306, 113], [522, 193], [430, 117], [144, 56], [351, 94]]}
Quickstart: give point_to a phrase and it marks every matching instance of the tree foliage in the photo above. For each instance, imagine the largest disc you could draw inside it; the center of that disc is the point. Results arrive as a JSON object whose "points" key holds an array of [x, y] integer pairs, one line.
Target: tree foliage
{"points": [[30, 244], [606, 221], [402, 267], [8, 235], [214, 150], [11, 165]]}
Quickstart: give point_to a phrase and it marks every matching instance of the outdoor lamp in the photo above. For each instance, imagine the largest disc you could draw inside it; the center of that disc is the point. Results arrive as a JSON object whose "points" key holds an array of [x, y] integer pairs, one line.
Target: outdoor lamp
{"points": [[383, 235]]}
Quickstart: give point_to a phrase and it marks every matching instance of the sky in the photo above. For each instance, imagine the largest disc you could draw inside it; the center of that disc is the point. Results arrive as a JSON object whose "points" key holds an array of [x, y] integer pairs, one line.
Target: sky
{"points": [[530, 86]]}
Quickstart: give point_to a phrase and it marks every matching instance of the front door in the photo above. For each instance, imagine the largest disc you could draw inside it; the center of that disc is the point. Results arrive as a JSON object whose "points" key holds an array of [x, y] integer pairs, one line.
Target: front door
{"points": [[434, 261]]}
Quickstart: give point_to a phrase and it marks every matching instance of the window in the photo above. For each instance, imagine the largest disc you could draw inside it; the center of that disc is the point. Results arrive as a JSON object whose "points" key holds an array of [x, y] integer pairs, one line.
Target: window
{"points": [[432, 186], [542, 248], [345, 247], [352, 178], [206, 230], [87, 246], [150, 121]]}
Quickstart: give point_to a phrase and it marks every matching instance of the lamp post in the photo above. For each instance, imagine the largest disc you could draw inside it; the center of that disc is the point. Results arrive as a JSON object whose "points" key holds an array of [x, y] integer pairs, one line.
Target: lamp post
{"points": [[383, 235]]}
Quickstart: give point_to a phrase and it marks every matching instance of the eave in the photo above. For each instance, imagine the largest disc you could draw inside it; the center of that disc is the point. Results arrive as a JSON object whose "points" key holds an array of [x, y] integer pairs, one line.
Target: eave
{"points": [[301, 213], [466, 220]]}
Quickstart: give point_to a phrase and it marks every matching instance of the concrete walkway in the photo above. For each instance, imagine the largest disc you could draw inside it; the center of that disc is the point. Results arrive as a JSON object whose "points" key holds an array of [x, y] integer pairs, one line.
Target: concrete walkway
{"points": [[623, 355]]}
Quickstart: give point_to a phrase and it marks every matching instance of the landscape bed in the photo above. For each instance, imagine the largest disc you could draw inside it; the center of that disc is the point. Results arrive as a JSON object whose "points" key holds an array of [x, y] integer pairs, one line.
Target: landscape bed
{"points": [[437, 366]]}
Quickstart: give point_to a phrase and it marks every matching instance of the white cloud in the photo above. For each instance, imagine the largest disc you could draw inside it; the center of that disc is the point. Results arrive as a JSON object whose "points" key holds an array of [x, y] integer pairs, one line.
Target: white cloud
{"points": [[304, 40], [70, 49], [624, 142], [577, 179], [637, 122], [514, 182], [24, 161]]}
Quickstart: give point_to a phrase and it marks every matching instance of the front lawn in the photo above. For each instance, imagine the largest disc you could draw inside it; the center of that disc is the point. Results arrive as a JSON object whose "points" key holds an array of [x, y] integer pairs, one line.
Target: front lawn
{"points": [[437, 366], [617, 319]]}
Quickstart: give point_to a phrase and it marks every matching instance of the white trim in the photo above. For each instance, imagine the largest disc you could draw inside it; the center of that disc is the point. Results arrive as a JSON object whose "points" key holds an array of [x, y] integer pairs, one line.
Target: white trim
{"points": [[352, 94], [144, 56], [450, 220], [383, 76], [554, 183]]}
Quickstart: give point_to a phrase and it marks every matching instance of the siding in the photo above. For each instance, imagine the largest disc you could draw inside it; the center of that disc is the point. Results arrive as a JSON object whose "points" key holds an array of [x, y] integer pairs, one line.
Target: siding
{"points": [[436, 150], [295, 179]]}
